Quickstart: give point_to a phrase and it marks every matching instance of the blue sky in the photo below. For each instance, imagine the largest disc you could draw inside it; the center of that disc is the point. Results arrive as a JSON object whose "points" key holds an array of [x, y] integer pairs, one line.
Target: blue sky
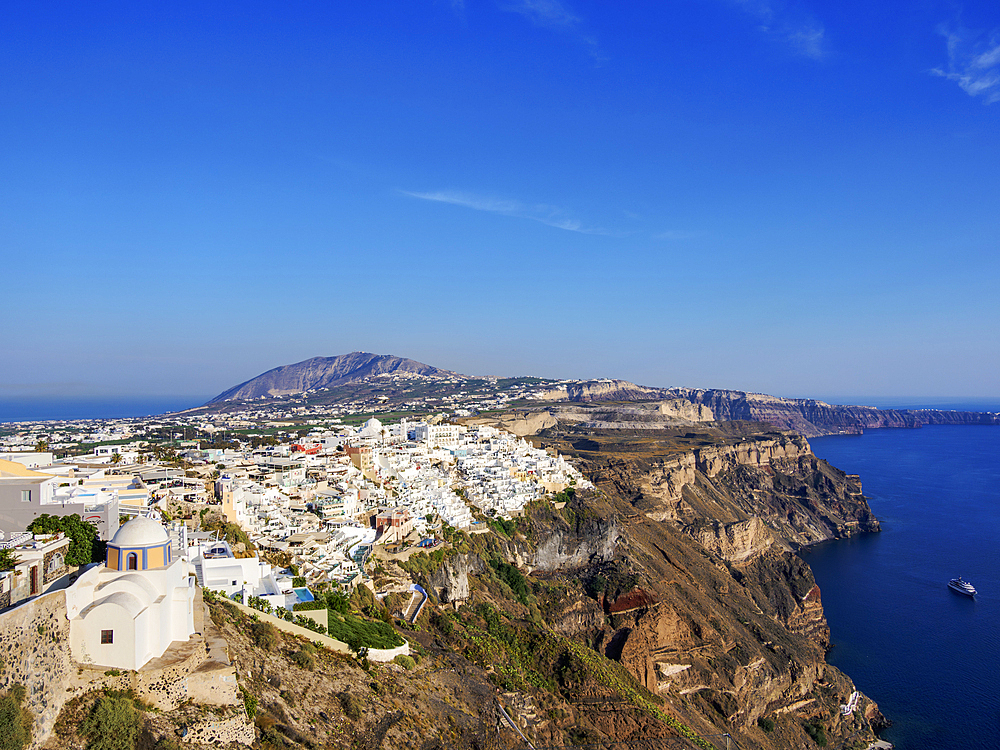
{"points": [[791, 198]]}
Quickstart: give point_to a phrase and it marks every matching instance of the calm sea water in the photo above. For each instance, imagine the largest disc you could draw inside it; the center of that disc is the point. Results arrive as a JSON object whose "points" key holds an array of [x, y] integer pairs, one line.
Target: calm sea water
{"points": [[928, 656], [35, 409]]}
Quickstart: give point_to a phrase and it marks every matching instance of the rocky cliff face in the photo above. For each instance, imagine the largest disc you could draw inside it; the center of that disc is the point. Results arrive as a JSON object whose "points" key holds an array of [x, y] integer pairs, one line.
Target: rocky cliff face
{"points": [[610, 407], [813, 418], [729, 627], [603, 390], [450, 582], [773, 480]]}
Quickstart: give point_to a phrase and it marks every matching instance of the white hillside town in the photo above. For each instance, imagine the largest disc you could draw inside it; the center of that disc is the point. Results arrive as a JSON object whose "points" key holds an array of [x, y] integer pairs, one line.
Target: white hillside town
{"points": [[314, 503], [380, 484], [283, 522]]}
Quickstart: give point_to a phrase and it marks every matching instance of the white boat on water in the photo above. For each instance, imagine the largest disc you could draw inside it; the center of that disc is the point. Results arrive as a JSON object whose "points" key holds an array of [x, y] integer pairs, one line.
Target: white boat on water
{"points": [[962, 587]]}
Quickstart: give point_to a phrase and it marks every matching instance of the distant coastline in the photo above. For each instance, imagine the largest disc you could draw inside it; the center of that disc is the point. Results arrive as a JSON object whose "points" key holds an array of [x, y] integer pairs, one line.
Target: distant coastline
{"points": [[35, 409], [943, 403]]}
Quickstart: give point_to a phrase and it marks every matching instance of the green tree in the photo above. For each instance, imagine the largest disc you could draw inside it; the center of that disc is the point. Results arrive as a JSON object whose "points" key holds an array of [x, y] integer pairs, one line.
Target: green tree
{"points": [[15, 721], [113, 723], [7, 560], [41, 446], [338, 602], [84, 547]]}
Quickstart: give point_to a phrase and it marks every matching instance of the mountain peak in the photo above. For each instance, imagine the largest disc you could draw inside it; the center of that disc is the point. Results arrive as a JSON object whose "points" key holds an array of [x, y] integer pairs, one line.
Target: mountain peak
{"points": [[327, 372]]}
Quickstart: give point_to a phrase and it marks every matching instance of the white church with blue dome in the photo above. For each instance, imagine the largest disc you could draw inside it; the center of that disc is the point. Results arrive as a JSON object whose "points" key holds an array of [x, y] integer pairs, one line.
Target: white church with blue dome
{"points": [[128, 611]]}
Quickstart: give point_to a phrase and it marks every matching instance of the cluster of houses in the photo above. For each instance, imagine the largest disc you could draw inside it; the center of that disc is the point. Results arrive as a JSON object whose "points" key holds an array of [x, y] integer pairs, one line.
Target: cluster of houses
{"points": [[319, 504], [314, 506], [327, 498]]}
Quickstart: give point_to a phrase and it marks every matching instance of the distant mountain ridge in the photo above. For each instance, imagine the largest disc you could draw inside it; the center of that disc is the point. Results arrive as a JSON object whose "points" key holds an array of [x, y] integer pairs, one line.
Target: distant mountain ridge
{"points": [[808, 417], [327, 372]]}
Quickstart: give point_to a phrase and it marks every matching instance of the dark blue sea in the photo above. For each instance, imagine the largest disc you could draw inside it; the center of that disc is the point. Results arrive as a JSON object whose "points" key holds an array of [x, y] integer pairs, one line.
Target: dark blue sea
{"points": [[928, 656], [37, 409]]}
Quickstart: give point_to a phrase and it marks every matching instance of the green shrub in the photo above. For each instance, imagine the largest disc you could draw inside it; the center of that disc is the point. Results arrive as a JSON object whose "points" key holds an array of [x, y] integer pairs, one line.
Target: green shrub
{"points": [[265, 635], [308, 606], [299, 581], [260, 604], [406, 662], [595, 585], [442, 623], [338, 602], [350, 705], [513, 577], [503, 526], [15, 721], [249, 703], [8, 560], [304, 659], [84, 546], [113, 723], [766, 724], [309, 624], [816, 730]]}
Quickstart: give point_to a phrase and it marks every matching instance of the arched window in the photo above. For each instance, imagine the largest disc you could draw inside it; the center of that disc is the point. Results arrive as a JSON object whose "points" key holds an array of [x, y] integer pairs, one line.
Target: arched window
{"points": [[56, 563], [132, 561]]}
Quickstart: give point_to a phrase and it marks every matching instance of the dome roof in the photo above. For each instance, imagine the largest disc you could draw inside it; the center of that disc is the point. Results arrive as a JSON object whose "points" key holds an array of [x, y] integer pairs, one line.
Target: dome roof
{"points": [[140, 532]]}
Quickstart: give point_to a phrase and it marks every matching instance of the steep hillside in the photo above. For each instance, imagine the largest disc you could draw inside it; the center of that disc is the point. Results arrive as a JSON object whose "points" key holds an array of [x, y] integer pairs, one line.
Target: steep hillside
{"points": [[681, 570], [668, 603], [327, 372]]}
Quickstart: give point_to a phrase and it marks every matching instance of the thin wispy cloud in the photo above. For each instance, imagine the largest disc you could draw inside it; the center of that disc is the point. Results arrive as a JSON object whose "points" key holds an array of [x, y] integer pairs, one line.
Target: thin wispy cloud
{"points": [[804, 34], [554, 15], [548, 13], [549, 215], [973, 63]]}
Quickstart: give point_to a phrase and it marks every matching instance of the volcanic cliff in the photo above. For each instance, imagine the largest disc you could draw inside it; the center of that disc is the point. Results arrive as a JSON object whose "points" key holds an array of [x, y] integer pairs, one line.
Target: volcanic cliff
{"points": [[680, 567]]}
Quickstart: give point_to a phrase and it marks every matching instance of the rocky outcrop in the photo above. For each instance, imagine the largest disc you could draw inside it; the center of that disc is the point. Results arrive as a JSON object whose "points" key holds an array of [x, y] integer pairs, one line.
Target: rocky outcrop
{"points": [[327, 372], [774, 480], [450, 582], [736, 542], [523, 423], [602, 390], [568, 549]]}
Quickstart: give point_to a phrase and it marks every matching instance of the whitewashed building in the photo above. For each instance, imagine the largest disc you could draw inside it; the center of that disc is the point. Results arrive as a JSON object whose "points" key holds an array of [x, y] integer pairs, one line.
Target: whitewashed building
{"points": [[128, 611]]}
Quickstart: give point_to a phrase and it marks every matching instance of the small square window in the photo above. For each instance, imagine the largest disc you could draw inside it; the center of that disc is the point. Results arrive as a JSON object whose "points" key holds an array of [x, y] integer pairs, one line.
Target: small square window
{"points": [[25, 496], [234, 583], [107, 636]]}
